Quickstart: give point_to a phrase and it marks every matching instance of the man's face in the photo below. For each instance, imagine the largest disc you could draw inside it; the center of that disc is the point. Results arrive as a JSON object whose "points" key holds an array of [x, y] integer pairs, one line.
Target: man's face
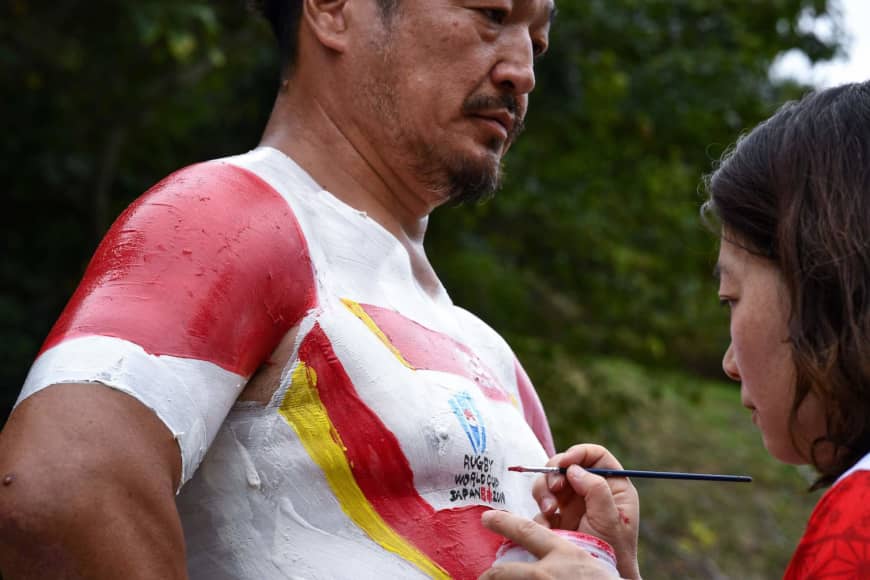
{"points": [[444, 85]]}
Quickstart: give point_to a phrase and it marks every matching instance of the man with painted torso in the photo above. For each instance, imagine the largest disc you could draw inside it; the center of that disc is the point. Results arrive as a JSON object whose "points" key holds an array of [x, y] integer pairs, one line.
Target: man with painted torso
{"points": [[277, 347]]}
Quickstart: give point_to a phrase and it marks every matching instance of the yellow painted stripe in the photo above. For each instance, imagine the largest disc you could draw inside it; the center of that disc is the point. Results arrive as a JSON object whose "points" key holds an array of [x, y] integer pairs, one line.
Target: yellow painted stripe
{"points": [[360, 313], [304, 411]]}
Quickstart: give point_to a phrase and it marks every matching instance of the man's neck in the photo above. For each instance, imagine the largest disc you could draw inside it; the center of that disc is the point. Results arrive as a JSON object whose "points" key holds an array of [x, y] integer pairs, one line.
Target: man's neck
{"points": [[344, 163], [302, 128]]}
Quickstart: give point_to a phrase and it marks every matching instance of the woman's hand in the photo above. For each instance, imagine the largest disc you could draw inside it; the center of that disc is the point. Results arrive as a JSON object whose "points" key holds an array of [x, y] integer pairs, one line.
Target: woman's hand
{"points": [[604, 507], [557, 558]]}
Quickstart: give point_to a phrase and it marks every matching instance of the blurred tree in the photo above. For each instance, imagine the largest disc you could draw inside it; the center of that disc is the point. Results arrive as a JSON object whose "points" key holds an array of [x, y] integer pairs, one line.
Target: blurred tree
{"points": [[102, 99]]}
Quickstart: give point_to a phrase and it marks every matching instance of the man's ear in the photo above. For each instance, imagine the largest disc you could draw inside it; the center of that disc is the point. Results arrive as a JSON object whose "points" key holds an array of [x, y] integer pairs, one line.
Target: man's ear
{"points": [[328, 20]]}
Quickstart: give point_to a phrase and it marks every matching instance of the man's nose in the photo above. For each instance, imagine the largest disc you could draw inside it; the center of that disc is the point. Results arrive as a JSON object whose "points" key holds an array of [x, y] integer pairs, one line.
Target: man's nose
{"points": [[515, 71], [729, 364]]}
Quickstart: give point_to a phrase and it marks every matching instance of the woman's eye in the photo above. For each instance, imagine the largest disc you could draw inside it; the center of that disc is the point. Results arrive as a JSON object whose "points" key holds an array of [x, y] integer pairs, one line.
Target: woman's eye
{"points": [[727, 302], [497, 15]]}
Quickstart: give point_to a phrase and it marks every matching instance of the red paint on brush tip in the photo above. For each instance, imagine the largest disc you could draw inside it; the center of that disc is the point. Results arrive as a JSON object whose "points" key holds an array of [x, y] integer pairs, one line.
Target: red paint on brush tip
{"points": [[516, 468]]}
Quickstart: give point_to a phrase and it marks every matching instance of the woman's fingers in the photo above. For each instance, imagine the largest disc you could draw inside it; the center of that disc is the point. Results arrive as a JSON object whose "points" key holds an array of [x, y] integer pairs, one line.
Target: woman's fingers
{"points": [[555, 481], [512, 571], [545, 498], [540, 519], [588, 455], [611, 512], [597, 499], [534, 537], [558, 502], [545, 489], [557, 558]]}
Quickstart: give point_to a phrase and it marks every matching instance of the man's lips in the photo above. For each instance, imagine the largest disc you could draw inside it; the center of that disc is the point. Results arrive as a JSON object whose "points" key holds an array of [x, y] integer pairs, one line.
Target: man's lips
{"points": [[503, 118]]}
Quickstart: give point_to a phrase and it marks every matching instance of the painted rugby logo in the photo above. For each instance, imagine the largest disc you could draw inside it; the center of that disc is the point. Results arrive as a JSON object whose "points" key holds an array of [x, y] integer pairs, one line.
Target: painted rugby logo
{"points": [[470, 419]]}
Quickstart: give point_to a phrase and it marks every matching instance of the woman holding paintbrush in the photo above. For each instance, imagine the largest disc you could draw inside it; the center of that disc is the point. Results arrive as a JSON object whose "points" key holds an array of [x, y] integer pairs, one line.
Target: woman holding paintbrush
{"points": [[791, 202]]}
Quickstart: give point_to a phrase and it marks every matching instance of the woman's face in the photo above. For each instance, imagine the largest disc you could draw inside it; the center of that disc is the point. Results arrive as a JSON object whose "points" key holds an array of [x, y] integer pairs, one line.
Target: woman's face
{"points": [[760, 355]]}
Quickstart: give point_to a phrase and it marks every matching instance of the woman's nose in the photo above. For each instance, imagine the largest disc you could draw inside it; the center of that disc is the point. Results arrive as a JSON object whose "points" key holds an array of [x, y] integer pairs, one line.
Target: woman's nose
{"points": [[729, 364]]}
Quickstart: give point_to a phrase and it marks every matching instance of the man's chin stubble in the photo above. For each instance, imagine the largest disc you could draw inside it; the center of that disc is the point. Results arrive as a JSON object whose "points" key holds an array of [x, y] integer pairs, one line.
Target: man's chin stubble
{"points": [[468, 185], [459, 180]]}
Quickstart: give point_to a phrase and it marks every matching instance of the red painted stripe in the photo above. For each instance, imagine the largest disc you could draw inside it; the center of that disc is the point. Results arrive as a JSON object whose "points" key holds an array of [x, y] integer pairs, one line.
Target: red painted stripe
{"points": [[533, 410], [427, 349], [209, 264], [453, 538]]}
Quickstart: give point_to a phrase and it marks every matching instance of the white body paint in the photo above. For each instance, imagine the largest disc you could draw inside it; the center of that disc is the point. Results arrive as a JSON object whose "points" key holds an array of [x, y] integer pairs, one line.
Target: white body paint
{"points": [[190, 396], [259, 506]]}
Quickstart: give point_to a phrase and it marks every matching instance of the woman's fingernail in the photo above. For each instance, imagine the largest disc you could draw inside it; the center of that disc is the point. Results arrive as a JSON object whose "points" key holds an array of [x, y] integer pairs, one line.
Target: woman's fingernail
{"points": [[575, 472], [547, 505]]}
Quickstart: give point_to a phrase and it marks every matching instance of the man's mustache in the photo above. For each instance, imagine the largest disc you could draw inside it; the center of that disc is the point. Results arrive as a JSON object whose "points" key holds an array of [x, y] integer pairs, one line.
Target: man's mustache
{"points": [[483, 103]]}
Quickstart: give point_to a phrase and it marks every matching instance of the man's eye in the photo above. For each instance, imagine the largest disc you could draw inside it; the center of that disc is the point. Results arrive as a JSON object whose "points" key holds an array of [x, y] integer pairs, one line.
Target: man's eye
{"points": [[496, 15]]}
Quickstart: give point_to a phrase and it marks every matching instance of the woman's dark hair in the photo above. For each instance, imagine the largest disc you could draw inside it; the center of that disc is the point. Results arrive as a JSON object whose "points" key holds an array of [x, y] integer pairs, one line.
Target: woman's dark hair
{"points": [[796, 190], [284, 16]]}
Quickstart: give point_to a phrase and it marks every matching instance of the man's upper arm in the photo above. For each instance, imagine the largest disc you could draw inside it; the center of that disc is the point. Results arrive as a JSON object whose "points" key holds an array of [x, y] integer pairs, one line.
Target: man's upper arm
{"points": [[87, 482], [189, 292]]}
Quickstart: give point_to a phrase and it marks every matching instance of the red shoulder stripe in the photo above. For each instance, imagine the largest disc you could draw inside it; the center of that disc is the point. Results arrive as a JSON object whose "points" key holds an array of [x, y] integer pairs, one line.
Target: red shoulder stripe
{"points": [[210, 264]]}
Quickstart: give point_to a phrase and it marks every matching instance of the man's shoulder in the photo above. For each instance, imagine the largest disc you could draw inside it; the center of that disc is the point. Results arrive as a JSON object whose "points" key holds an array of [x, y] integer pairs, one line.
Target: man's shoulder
{"points": [[218, 208], [261, 176], [210, 264], [219, 186]]}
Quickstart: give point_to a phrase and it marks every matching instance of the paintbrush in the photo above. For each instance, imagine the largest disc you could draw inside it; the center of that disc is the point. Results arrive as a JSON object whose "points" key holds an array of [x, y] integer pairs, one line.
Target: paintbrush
{"points": [[636, 473]]}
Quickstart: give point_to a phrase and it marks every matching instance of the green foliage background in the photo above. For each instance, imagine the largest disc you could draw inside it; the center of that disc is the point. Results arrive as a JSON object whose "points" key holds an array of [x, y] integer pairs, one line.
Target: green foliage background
{"points": [[592, 262]]}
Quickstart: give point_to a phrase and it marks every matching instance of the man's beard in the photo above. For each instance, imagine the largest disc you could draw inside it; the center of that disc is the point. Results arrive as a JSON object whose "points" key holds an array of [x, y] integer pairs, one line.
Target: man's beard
{"points": [[472, 183], [456, 178], [461, 180]]}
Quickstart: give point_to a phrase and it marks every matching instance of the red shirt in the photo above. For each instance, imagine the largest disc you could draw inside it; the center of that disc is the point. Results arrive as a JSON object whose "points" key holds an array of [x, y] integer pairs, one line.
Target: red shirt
{"points": [[836, 543]]}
